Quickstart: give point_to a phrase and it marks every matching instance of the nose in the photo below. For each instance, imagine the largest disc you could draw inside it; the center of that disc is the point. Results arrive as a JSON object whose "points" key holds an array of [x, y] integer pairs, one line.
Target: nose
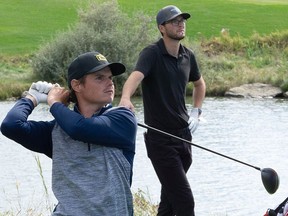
{"points": [[110, 82]]}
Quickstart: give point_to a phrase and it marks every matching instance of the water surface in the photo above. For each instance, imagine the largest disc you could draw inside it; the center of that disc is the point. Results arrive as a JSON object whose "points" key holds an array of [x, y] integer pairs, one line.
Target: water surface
{"points": [[251, 130]]}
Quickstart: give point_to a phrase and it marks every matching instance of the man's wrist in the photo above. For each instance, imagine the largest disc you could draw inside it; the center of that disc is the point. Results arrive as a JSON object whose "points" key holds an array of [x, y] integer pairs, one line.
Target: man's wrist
{"points": [[124, 97], [26, 94]]}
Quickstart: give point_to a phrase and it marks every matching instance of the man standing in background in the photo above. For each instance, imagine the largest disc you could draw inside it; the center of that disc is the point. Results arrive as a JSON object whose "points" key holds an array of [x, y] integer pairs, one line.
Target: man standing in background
{"points": [[164, 69]]}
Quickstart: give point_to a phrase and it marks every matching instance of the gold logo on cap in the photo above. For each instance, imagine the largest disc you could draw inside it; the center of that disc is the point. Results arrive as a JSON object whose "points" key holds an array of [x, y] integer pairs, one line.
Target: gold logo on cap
{"points": [[100, 57]]}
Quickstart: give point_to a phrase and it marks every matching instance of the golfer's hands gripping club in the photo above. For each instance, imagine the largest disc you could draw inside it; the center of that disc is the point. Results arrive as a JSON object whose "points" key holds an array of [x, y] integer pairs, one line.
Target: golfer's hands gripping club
{"points": [[39, 91], [58, 94], [194, 119]]}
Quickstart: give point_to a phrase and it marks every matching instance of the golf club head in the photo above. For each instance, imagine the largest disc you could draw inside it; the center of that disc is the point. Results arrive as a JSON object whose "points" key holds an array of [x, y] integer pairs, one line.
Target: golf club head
{"points": [[270, 180]]}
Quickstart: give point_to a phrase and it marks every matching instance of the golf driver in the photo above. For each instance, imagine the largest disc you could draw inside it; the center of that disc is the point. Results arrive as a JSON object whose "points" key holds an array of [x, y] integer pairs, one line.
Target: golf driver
{"points": [[269, 176]]}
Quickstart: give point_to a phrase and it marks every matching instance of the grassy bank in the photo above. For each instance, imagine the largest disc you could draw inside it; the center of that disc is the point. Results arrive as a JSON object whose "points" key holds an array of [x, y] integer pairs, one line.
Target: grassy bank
{"points": [[27, 24], [232, 61], [225, 61]]}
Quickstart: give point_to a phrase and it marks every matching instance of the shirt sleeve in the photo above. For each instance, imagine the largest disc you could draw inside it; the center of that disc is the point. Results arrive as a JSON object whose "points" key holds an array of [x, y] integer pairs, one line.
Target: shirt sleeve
{"points": [[114, 128], [33, 135], [146, 60], [194, 72]]}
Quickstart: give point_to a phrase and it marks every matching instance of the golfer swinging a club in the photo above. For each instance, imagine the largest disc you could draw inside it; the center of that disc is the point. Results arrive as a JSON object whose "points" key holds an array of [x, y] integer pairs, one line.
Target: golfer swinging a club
{"points": [[92, 147], [164, 69]]}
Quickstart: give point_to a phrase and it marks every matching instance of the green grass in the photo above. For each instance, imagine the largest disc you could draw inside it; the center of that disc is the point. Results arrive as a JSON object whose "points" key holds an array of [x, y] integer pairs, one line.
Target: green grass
{"points": [[263, 2], [210, 16], [225, 61], [27, 24]]}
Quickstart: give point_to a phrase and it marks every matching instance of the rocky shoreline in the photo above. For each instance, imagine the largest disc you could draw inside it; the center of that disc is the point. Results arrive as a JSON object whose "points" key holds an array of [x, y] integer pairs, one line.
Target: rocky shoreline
{"points": [[256, 90]]}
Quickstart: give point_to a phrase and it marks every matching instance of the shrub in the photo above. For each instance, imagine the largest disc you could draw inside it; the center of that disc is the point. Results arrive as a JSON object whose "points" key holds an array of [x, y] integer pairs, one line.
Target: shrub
{"points": [[274, 39], [101, 27]]}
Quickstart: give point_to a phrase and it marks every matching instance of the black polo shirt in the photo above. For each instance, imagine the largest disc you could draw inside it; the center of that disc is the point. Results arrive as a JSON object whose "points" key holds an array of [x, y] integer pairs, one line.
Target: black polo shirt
{"points": [[164, 85]]}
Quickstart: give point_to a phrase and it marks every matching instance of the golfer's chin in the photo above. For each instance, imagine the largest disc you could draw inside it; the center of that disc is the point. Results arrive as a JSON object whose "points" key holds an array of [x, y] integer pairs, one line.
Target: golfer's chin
{"points": [[109, 99], [181, 36]]}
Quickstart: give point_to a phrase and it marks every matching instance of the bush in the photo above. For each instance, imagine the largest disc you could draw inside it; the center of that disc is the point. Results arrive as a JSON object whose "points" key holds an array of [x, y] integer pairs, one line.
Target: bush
{"points": [[227, 61], [240, 45], [102, 27], [274, 39]]}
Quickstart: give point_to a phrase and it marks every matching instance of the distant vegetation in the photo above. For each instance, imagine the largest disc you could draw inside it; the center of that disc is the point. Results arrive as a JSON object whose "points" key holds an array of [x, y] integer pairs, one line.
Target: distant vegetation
{"points": [[96, 30], [41, 39], [231, 61]]}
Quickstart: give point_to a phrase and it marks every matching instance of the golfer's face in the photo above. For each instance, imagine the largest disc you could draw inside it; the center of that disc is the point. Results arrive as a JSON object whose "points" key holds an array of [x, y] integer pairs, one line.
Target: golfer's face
{"points": [[98, 87]]}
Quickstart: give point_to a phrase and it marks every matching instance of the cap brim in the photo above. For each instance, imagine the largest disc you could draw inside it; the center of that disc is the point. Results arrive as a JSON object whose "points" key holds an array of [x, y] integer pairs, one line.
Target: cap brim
{"points": [[184, 15], [116, 68]]}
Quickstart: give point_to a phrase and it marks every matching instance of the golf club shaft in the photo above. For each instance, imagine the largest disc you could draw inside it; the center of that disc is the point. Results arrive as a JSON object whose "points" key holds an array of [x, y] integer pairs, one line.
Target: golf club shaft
{"points": [[193, 144]]}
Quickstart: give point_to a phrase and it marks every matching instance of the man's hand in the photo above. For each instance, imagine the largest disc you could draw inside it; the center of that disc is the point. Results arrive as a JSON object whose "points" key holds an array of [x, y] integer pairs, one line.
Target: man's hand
{"points": [[58, 94], [39, 91], [194, 119], [127, 103]]}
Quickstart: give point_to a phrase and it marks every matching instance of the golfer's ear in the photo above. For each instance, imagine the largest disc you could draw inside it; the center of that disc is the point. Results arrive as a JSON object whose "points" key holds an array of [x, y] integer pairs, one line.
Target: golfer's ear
{"points": [[75, 85]]}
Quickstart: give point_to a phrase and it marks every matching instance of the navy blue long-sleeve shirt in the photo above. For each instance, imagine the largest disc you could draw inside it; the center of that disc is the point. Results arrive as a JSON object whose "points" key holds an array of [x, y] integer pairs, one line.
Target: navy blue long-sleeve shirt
{"points": [[92, 157], [110, 128]]}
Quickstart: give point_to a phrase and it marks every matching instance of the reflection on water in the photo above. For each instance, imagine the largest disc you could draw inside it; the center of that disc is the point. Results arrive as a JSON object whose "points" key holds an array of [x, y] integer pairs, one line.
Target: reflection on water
{"points": [[251, 130]]}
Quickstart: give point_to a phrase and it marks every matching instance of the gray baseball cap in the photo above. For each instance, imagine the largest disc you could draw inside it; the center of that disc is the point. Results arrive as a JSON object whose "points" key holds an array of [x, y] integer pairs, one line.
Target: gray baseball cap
{"points": [[168, 13]]}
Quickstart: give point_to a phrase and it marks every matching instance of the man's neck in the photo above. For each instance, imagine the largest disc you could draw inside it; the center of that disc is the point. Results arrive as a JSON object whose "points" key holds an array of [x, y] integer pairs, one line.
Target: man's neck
{"points": [[172, 46], [88, 110]]}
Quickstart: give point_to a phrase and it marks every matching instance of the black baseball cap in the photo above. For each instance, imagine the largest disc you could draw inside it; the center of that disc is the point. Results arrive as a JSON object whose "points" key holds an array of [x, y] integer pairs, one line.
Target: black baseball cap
{"points": [[91, 62], [168, 13]]}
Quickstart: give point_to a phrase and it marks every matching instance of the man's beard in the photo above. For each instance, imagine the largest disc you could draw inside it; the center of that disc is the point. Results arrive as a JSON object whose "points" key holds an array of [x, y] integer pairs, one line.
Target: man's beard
{"points": [[175, 36]]}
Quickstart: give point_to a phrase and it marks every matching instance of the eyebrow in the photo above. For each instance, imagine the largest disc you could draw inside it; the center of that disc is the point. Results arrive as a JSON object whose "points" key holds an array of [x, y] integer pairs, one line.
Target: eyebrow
{"points": [[99, 74]]}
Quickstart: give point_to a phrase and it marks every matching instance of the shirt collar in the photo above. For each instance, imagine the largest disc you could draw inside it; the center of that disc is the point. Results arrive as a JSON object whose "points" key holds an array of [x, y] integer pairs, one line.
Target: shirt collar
{"points": [[164, 50], [102, 110]]}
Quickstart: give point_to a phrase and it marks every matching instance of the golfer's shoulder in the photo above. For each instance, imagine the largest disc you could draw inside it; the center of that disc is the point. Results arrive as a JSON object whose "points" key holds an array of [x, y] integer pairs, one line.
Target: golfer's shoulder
{"points": [[119, 111]]}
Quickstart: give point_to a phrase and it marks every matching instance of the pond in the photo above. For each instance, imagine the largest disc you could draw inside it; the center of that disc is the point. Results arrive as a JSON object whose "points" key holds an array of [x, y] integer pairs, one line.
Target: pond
{"points": [[254, 131]]}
